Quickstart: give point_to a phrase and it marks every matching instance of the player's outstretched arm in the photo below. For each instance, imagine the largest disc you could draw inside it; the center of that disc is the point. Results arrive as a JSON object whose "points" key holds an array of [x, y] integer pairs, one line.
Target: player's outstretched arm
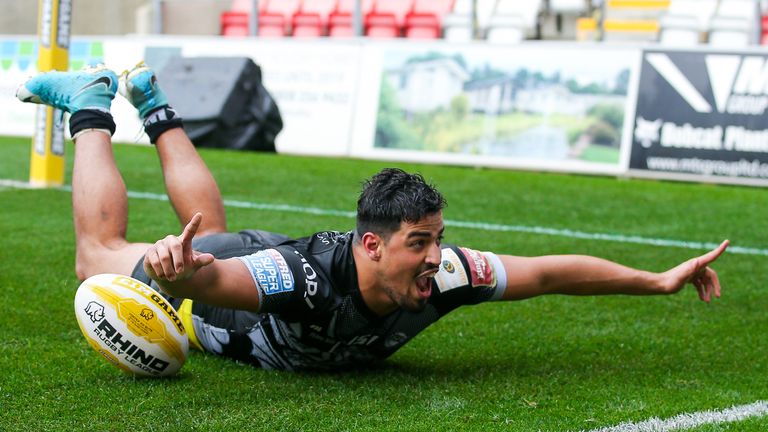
{"points": [[586, 275], [186, 273]]}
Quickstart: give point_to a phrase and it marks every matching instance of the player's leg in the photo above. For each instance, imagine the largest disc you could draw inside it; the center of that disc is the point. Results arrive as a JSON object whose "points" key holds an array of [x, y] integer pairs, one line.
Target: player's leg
{"points": [[99, 198], [100, 206], [190, 185]]}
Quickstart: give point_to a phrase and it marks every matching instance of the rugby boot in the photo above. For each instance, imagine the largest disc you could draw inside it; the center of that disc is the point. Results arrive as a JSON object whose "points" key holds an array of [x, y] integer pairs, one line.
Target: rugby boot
{"points": [[92, 88], [139, 86]]}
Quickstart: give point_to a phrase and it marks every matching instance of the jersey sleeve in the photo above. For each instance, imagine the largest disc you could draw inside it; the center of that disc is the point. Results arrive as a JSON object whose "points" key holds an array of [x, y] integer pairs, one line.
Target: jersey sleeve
{"points": [[467, 276], [287, 285]]}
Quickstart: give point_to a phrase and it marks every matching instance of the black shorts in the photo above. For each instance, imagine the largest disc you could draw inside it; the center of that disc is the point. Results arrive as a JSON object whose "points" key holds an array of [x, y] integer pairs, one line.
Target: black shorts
{"points": [[206, 317]]}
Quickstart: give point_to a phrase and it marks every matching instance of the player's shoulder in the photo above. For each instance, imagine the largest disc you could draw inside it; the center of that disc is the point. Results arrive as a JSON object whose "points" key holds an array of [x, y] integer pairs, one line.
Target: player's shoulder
{"points": [[325, 240]]}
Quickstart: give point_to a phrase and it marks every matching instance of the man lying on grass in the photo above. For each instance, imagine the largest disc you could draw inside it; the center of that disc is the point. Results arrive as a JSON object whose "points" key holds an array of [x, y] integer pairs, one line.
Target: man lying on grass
{"points": [[328, 301]]}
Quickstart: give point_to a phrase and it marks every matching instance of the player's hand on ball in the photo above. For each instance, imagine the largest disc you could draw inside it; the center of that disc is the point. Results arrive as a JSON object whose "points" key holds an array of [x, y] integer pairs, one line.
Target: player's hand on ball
{"points": [[172, 258], [695, 271]]}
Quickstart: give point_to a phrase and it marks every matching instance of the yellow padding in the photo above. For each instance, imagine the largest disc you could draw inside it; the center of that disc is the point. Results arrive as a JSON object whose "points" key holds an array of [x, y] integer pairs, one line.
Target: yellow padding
{"points": [[639, 4], [185, 310], [586, 24], [647, 26]]}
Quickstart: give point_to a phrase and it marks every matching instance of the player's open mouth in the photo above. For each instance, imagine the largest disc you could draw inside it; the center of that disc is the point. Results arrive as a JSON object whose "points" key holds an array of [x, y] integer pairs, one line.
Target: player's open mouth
{"points": [[424, 282]]}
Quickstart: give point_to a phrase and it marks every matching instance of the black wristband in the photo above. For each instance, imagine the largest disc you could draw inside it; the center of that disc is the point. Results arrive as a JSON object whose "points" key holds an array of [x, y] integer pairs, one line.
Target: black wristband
{"points": [[159, 121], [91, 119]]}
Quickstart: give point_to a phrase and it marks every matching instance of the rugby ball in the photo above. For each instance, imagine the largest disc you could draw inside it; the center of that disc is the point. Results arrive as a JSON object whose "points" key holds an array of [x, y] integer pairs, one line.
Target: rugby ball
{"points": [[130, 325]]}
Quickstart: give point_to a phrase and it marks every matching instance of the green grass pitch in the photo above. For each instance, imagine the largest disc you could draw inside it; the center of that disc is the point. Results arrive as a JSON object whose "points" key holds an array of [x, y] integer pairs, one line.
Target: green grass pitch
{"points": [[550, 364]]}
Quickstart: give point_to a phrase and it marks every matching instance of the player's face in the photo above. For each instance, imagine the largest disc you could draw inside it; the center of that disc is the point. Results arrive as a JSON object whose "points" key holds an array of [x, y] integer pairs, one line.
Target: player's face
{"points": [[409, 261]]}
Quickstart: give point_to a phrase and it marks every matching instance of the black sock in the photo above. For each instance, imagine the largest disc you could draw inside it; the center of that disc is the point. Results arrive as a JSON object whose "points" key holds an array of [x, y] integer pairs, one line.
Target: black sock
{"points": [[161, 120], [91, 119]]}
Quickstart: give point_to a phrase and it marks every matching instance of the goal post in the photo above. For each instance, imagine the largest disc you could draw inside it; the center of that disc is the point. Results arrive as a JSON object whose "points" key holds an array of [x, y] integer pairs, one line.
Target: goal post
{"points": [[47, 161]]}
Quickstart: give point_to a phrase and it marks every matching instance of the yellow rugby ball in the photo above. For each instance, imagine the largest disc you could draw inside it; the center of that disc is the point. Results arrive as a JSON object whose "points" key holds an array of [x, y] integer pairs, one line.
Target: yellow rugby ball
{"points": [[130, 325]]}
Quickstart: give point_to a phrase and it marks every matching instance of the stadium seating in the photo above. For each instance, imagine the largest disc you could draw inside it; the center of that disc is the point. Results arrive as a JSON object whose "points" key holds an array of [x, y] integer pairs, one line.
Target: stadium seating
{"points": [[633, 20], [424, 21], [735, 23], [561, 17], [513, 20], [679, 30], [732, 23], [234, 22], [307, 25], [311, 20], [586, 29], [573, 7], [387, 19], [340, 21], [686, 21], [277, 18], [457, 25], [764, 30], [484, 12]]}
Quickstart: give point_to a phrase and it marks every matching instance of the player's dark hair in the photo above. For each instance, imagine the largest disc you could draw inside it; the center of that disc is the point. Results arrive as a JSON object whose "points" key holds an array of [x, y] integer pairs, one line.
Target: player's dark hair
{"points": [[393, 196]]}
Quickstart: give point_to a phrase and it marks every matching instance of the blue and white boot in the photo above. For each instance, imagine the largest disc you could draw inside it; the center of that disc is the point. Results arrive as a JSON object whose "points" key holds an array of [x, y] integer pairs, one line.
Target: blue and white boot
{"points": [[139, 86], [91, 88]]}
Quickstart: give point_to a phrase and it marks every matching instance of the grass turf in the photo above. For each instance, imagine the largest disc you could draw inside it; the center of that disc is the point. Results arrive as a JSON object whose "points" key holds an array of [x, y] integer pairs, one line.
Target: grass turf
{"points": [[552, 363]]}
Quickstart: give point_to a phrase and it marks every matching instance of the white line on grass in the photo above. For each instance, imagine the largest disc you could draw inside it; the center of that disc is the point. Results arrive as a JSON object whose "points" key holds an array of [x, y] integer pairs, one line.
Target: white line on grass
{"points": [[619, 238], [691, 420]]}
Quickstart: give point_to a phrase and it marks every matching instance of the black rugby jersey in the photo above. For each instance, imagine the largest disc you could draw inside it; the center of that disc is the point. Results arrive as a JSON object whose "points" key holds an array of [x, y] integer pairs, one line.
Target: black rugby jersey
{"points": [[312, 315]]}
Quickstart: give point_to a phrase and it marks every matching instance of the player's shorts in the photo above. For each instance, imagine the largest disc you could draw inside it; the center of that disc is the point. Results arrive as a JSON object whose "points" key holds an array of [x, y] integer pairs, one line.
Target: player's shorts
{"points": [[209, 319]]}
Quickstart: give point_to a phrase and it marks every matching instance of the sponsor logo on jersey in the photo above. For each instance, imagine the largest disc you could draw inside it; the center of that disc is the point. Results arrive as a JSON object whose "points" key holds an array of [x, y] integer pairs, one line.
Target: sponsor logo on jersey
{"points": [[448, 266], [395, 339], [310, 280], [480, 269], [271, 271], [452, 273]]}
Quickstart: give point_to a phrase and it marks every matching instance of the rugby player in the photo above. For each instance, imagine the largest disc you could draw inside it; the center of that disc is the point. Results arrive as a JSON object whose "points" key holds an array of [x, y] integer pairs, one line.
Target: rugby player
{"points": [[329, 301]]}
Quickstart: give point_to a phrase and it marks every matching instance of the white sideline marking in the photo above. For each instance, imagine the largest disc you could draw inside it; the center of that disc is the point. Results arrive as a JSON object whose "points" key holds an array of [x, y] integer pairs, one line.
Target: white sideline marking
{"points": [[691, 420], [619, 238]]}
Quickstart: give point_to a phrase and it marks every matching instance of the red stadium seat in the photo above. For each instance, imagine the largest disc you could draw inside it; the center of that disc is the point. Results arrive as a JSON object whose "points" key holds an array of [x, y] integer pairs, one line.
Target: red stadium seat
{"points": [[285, 9], [234, 23], [419, 32], [272, 25], [321, 8], [383, 32], [308, 25], [422, 27], [340, 22], [425, 19], [381, 25], [396, 8], [764, 30]]}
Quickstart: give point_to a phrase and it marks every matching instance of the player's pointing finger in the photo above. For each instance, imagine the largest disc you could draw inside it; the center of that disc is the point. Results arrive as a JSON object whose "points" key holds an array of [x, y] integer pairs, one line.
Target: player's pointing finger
{"points": [[191, 229], [712, 255]]}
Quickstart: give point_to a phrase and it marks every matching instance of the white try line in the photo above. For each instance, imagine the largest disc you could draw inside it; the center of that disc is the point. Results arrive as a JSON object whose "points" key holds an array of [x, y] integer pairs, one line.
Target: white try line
{"points": [[692, 420], [619, 238]]}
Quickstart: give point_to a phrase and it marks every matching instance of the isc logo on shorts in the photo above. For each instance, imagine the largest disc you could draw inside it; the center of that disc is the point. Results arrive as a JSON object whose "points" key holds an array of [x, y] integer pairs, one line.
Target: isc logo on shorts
{"points": [[270, 270]]}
